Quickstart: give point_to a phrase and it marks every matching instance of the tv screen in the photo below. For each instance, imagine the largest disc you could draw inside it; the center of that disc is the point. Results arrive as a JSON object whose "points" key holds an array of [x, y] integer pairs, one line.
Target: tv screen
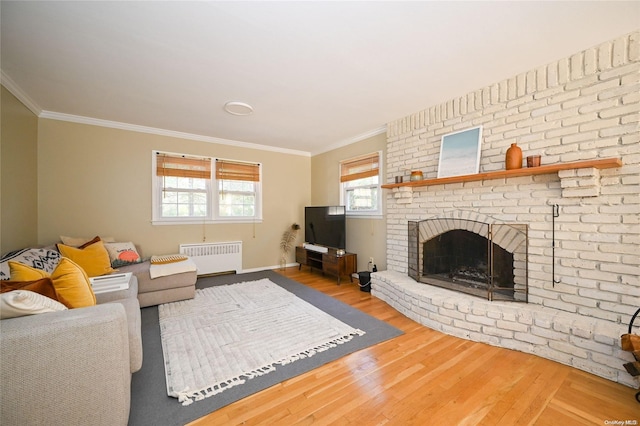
{"points": [[325, 226]]}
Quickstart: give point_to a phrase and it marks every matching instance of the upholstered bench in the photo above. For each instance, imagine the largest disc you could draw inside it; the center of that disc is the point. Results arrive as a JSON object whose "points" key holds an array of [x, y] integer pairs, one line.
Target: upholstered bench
{"points": [[162, 289]]}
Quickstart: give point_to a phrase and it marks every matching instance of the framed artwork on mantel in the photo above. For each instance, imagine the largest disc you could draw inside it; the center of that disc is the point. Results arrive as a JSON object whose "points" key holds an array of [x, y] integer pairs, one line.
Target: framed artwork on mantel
{"points": [[460, 153]]}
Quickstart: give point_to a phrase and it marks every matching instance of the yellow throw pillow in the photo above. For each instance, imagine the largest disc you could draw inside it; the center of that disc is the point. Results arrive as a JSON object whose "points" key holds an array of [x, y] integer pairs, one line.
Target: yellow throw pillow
{"points": [[70, 281], [22, 272], [72, 284], [94, 258]]}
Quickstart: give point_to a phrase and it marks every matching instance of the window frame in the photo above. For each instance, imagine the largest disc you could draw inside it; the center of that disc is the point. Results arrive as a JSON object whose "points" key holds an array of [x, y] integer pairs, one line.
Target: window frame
{"points": [[377, 212], [212, 194]]}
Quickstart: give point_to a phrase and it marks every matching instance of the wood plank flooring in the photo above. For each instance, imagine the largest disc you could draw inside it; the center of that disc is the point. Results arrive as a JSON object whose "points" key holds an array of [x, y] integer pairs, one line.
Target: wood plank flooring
{"points": [[428, 378]]}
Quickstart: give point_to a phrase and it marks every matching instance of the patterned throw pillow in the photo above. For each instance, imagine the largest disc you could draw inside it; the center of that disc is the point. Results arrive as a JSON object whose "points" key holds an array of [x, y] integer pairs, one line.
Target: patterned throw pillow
{"points": [[122, 254], [39, 258]]}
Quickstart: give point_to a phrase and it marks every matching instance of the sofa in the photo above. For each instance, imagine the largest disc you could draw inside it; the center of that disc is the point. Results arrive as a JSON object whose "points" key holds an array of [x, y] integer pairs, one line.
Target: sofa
{"points": [[161, 279], [72, 367]]}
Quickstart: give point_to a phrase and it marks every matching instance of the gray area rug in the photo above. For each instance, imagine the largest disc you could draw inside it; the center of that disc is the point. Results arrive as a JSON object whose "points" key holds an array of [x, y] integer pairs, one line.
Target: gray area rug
{"points": [[150, 404]]}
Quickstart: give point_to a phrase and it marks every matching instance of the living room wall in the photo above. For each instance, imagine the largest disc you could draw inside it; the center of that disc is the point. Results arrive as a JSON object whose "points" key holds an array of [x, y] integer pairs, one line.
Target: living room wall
{"points": [[18, 175], [96, 180], [365, 236]]}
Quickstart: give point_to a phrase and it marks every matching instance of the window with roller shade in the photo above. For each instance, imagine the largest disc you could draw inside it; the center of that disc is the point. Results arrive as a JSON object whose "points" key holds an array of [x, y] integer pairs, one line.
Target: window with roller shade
{"points": [[360, 185], [202, 189]]}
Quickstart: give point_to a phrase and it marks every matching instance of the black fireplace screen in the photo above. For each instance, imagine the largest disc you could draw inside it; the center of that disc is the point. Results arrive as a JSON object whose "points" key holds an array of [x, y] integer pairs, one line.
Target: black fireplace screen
{"points": [[481, 259]]}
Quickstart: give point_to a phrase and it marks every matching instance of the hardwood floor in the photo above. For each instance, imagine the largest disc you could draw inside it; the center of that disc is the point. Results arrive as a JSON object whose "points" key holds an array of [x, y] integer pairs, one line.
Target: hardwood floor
{"points": [[425, 377]]}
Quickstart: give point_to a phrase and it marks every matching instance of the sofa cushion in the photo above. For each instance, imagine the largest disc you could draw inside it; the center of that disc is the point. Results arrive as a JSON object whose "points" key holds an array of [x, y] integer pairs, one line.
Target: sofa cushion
{"points": [[43, 286], [122, 254], [18, 303], [70, 281], [93, 258], [40, 258]]}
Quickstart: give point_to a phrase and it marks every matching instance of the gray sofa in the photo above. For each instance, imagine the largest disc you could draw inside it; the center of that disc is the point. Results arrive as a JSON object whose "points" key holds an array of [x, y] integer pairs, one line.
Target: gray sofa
{"points": [[71, 367]]}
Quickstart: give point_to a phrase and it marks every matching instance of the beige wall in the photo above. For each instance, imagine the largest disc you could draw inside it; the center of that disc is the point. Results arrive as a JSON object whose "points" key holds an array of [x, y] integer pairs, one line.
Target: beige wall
{"points": [[18, 175], [62, 178], [97, 181], [365, 237]]}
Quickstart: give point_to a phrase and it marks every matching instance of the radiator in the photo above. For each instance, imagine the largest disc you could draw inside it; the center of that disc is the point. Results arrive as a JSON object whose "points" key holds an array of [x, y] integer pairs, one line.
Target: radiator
{"points": [[214, 258]]}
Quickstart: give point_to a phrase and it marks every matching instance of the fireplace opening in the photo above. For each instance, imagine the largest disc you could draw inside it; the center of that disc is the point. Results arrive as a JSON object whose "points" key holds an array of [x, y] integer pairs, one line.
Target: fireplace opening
{"points": [[462, 258], [481, 259]]}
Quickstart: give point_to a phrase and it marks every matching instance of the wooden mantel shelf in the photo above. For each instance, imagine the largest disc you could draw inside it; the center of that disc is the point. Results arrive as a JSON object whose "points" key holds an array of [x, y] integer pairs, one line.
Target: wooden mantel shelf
{"points": [[605, 163]]}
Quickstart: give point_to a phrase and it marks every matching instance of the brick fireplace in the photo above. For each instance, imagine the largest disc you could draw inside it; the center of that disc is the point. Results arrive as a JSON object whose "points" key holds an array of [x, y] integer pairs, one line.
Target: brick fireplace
{"points": [[470, 254], [582, 290]]}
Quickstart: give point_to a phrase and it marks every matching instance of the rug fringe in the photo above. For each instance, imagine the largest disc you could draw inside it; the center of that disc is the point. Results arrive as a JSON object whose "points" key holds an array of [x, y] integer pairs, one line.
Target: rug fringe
{"points": [[187, 397], [320, 348]]}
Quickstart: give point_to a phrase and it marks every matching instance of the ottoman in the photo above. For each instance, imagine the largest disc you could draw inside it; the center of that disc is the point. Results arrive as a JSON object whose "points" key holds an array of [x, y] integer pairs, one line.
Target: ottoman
{"points": [[156, 291]]}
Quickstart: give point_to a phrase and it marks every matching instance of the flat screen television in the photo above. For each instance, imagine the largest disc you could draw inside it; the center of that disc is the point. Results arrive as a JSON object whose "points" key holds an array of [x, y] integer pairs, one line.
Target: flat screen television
{"points": [[325, 226]]}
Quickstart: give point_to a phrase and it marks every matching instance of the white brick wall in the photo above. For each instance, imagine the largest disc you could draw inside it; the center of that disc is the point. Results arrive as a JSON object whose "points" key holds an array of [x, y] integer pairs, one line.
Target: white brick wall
{"points": [[583, 107]]}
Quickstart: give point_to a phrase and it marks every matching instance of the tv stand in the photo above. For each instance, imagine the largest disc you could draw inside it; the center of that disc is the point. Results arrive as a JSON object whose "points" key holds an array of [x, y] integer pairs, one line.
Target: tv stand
{"points": [[319, 249], [329, 263]]}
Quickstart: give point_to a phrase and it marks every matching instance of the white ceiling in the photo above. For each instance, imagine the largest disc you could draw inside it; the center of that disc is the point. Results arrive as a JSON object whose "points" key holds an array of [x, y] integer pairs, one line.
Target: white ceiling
{"points": [[318, 74]]}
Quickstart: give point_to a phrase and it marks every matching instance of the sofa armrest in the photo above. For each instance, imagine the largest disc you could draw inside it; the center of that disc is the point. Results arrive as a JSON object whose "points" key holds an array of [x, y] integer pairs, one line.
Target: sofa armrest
{"points": [[69, 367], [134, 324]]}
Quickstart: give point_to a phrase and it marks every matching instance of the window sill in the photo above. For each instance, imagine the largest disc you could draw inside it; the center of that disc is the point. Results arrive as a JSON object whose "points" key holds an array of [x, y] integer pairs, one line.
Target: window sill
{"points": [[203, 222], [365, 216]]}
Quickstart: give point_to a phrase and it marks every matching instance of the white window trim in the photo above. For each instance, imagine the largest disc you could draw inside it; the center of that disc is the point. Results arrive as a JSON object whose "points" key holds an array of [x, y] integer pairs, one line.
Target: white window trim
{"points": [[376, 214], [212, 194]]}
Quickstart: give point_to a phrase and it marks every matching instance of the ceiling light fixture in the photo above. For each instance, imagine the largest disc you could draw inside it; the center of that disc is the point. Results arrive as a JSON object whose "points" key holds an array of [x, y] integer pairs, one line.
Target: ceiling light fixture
{"points": [[238, 108]]}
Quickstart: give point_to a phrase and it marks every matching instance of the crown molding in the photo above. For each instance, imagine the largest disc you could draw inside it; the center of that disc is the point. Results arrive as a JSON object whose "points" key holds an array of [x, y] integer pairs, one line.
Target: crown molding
{"points": [[15, 90], [163, 132], [354, 139]]}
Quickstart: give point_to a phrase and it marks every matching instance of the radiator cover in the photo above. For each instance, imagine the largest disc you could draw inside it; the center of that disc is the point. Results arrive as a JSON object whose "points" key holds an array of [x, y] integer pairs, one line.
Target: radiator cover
{"points": [[215, 258]]}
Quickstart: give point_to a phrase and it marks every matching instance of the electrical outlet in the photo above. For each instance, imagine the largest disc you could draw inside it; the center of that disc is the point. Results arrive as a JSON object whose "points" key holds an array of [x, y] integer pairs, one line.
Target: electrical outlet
{"points": [[371, 260]]}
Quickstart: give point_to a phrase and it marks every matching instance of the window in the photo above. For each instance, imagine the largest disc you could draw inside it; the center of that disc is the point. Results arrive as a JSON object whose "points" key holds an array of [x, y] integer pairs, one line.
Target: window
{"points": [[238, 189], [360, 185], [185, 189]]}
